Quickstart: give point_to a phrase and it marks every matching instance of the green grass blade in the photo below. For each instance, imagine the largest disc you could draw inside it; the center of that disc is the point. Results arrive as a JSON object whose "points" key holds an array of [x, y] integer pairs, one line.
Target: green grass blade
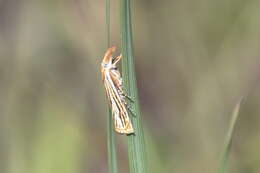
{"points": [[111, 143], [136, 144], [228, 141]]}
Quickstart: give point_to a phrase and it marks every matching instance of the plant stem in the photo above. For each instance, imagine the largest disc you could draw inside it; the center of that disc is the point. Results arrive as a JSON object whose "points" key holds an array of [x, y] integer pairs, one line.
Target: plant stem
{"points": [[136, 143], [228, 141], [111, 143]]}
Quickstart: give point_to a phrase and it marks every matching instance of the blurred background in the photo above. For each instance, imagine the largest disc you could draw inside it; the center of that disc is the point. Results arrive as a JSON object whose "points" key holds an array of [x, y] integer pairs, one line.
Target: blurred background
{"points": [[194, 60]]}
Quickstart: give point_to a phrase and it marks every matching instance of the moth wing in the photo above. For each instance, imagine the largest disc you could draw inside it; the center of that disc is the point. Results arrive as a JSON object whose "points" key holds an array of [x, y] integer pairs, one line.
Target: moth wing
{"points": [[116, 77], [121, 119], [117, 80], [122, 123], [108, 91]]}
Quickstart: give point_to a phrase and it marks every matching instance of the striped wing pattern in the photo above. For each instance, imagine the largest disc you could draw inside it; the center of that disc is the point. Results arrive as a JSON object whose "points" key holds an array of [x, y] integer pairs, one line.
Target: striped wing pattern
{"points": [[115, 94], [113, 85]]}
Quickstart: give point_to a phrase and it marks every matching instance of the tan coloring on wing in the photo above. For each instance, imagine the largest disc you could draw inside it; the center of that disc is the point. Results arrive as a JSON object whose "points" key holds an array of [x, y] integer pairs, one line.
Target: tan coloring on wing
{"points": [[113, 85]]}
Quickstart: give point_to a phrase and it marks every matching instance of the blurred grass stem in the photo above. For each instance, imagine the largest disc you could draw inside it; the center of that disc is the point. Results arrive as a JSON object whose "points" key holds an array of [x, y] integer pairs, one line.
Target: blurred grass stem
{"points": [[111, 143], [228, 141]]}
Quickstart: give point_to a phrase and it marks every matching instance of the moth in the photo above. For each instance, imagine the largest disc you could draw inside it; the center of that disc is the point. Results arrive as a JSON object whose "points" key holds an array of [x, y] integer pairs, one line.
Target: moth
{"points": [[114, 90]]}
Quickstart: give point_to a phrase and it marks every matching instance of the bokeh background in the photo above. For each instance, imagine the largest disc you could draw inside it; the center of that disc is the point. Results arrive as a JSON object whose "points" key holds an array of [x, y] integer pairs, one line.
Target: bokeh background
{"points": [[194, 60]]}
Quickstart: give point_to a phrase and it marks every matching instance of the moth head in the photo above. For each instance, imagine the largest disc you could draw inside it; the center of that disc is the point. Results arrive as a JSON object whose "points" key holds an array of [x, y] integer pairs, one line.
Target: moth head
{"points": [[108, 58]]}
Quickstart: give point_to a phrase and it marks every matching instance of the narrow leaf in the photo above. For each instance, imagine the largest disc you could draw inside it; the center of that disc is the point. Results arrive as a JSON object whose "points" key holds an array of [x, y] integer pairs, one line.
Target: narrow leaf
{"points": [[136, 143], [228, 141], [111, 143]]}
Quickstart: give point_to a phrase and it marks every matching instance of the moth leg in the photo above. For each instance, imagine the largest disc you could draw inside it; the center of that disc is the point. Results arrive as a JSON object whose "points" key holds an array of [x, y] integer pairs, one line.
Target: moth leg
{"points": [[129, 98], [131, 111], [123, 93], [126, 95]]}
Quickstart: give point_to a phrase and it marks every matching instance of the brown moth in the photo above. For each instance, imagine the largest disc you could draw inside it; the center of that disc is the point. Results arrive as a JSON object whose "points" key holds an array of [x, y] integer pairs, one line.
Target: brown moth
{"points": [[114, 90]]}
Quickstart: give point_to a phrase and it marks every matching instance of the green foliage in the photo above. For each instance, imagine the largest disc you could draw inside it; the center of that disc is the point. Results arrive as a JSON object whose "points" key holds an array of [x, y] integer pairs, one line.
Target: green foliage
{"points": [[111, 144], [228, 141], [136, 144]]}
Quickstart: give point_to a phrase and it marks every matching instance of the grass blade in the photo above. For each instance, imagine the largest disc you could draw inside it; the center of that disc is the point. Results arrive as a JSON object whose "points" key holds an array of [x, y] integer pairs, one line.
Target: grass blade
{"points": [[111, 143], [136, 144], [228, 141]]}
